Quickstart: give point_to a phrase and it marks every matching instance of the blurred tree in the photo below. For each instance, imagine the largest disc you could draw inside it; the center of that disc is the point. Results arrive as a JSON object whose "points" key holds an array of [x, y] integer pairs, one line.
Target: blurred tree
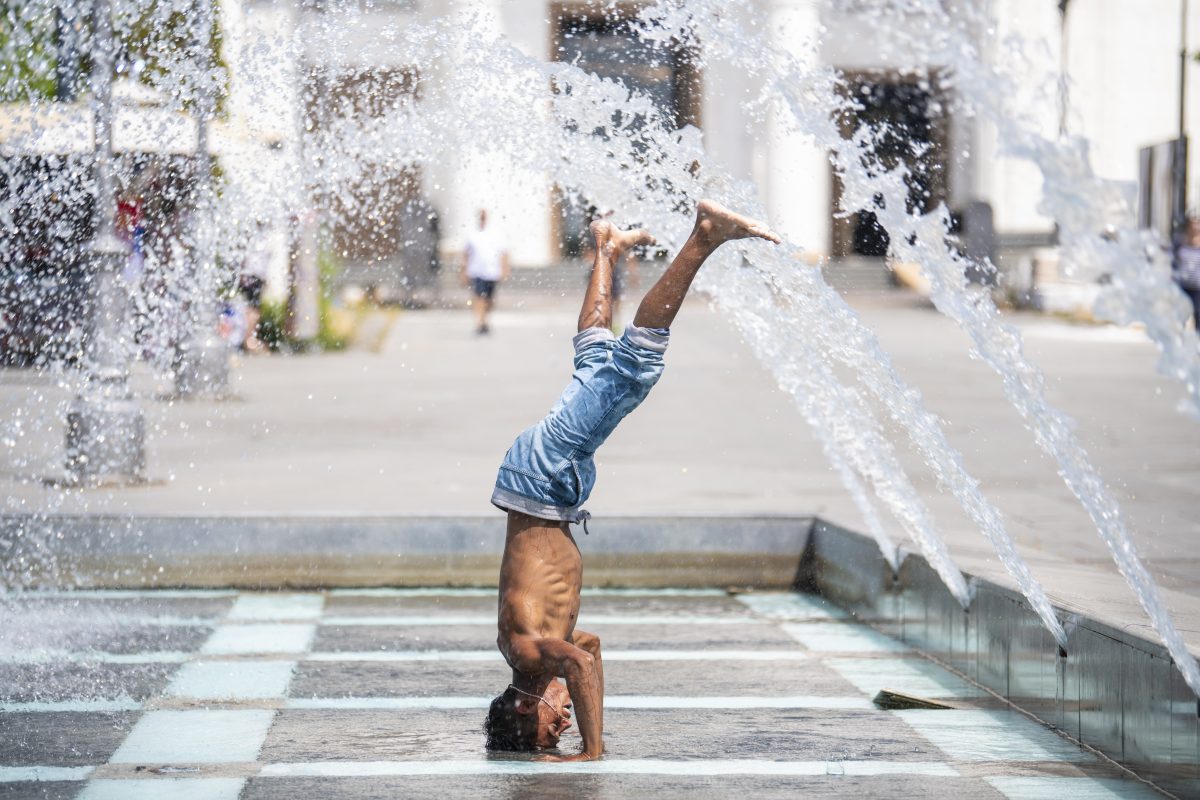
{"points": [[28, 58], [156, 44]]}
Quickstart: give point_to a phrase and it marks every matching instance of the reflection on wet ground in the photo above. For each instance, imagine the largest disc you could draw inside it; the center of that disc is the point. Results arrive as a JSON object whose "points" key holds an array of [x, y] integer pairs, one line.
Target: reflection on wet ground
{"points": [[371, 693]]}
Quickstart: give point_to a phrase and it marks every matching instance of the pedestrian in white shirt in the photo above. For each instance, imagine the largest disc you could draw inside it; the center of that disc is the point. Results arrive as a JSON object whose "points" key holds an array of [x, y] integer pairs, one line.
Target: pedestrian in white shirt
{"points": [[485, 264], [1186, 268]]}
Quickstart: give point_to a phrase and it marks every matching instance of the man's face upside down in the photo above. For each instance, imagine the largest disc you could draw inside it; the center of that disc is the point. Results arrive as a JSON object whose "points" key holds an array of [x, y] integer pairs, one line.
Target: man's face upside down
{"points": [[518, 721]]}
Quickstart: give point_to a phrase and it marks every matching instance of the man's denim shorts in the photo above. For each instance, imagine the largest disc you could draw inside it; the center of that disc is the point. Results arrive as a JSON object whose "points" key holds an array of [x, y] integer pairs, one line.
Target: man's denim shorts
{"points": [[549, 471]]}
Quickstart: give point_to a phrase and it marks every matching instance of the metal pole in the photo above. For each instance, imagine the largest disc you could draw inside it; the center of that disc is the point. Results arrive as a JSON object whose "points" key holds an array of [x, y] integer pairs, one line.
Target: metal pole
{"points": [[66, 73], [1181, 146], [1183, 63], [1063, 67], [106, 429], [202, 364]]}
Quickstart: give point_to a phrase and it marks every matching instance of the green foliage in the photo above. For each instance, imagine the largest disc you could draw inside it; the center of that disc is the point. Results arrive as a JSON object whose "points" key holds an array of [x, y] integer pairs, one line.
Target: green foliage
{"points": [[328, 268], [28, 59], [29, 52], [166, 46], [272, 324]]}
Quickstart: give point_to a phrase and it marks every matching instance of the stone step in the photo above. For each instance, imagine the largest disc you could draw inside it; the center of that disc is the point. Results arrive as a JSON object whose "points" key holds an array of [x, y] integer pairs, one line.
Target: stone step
{"points": [[858, 275]]}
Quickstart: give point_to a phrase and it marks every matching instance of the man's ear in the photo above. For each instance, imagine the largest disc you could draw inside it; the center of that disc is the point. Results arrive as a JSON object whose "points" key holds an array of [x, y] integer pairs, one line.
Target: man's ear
{"points": [[525, 705]]}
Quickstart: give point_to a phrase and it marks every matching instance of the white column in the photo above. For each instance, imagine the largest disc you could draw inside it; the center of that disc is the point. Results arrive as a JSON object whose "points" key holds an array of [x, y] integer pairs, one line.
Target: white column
{"points": [[265, 104], [517, 200], [724, 87], [528, 197], [797, 182], [1014, 186]]}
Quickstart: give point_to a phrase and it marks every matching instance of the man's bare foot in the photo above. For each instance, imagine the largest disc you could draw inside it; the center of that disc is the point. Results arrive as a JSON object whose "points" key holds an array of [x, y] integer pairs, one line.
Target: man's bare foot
{"points": [[716, 224], [612, 241]]}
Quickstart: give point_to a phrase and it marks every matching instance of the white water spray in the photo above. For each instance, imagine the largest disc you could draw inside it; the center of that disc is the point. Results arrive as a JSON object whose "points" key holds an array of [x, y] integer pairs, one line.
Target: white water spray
{"points": [[920, 239]]}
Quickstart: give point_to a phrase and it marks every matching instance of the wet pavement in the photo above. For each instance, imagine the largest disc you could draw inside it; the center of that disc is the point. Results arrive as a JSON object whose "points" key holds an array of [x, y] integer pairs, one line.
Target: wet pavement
{"points": [[416, 425], [217, 695]]}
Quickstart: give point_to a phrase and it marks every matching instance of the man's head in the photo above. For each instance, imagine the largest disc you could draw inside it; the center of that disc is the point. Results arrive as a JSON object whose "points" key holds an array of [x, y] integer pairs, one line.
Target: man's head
{"points": [[528, 721]]}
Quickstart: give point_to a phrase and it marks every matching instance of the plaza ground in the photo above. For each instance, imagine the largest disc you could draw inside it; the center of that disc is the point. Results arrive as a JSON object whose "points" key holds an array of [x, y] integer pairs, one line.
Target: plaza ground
{"points": [[220, 694], [413, 419], [122, 695]]}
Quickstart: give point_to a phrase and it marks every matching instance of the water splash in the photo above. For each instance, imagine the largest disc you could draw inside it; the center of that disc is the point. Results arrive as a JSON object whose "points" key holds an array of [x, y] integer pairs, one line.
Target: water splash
{"points": [[1079, 201], [594, 134], [603, 164], [810, 96], [1096, 218], [922, 239]]}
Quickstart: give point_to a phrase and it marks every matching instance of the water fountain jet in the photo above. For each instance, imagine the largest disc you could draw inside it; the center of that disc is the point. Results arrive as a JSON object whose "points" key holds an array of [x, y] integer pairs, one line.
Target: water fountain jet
{"points": [[106, 428], [201, 364]]}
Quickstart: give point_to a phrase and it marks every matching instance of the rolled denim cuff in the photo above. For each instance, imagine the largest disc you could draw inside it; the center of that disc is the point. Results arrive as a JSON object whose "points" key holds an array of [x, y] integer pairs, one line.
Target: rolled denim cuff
{"points": [[655, 339], [591, 336], [507, 500]]}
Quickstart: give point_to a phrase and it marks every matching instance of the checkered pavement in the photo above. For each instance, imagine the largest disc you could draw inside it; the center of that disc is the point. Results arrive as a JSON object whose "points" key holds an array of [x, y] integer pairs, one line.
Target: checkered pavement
{"points": [[217, 695]]}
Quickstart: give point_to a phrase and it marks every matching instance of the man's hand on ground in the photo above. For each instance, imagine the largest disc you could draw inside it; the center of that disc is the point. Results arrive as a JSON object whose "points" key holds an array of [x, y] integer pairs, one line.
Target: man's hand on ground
{"points": [[553, 759]]}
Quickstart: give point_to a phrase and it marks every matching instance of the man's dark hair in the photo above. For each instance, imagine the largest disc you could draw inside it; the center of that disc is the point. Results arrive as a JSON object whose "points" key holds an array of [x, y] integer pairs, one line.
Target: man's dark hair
{"points": [[501, 726]]}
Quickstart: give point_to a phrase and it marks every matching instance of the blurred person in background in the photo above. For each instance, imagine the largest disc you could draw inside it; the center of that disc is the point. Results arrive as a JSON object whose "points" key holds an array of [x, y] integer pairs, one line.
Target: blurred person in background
{"points": [[485, 265], [251, 284], [1186, 266]]}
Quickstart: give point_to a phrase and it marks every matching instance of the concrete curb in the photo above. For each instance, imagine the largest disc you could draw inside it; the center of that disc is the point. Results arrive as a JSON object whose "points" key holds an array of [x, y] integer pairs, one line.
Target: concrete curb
{"points": [[1112, 690], [269, 552]]}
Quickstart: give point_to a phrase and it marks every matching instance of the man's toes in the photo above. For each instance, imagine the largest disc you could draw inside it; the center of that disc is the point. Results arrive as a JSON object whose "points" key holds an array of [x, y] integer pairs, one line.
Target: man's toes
{"points": [[769, 235]]}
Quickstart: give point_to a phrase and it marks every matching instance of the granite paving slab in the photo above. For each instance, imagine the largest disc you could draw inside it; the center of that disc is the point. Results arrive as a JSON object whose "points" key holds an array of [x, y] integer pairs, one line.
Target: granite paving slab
{"points": [[355, 638], [61, 739], [56, 682], [591, 604], [40, 790], [681, 733], [109, 636], [319, 694], [701, 677], [112, 605], [603, 787]]}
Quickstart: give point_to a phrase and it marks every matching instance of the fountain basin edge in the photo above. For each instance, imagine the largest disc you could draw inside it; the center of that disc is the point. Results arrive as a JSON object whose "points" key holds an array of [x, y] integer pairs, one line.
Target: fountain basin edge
{"points": [[1112, 689]]}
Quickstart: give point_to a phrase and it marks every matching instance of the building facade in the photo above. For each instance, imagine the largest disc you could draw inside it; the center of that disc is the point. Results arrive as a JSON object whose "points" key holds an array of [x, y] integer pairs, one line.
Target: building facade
{"points": [[299, 67]]}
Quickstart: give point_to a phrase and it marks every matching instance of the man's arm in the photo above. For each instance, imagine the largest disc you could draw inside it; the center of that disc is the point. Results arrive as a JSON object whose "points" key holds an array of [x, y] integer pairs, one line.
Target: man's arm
{"points": [[505, 268], [590, 643], [578, 668]]}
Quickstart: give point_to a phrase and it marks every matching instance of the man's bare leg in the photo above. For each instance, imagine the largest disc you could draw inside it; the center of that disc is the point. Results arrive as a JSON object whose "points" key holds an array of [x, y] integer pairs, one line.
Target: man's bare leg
{"points": [[715, 225], [480, 306], [611, 243]]}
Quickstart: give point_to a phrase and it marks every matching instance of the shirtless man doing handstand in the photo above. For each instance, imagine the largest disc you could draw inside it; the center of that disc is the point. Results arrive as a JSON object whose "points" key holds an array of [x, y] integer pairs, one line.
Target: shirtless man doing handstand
{"points": [[548, 474]]}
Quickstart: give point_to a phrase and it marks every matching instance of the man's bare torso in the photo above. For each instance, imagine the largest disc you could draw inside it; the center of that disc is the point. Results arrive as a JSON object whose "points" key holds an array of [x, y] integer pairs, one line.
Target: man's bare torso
{"points": [[540, 578]]}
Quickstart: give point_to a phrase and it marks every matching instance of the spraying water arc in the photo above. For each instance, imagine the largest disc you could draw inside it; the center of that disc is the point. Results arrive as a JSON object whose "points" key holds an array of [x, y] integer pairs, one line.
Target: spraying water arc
{"points": [[644, 164], [870, 185]]}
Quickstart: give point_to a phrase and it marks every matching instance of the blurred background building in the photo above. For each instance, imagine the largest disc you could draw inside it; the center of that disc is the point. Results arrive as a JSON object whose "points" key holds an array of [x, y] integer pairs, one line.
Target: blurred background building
{"points": [[294, 68], [1122, 92]]}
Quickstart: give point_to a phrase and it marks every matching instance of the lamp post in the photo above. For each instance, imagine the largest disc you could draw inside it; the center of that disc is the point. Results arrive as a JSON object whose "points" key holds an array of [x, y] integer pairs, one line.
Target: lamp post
{"points": [[1063, 67], [106, 429], [66, 74], [202, 362], [1181, 144]]}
